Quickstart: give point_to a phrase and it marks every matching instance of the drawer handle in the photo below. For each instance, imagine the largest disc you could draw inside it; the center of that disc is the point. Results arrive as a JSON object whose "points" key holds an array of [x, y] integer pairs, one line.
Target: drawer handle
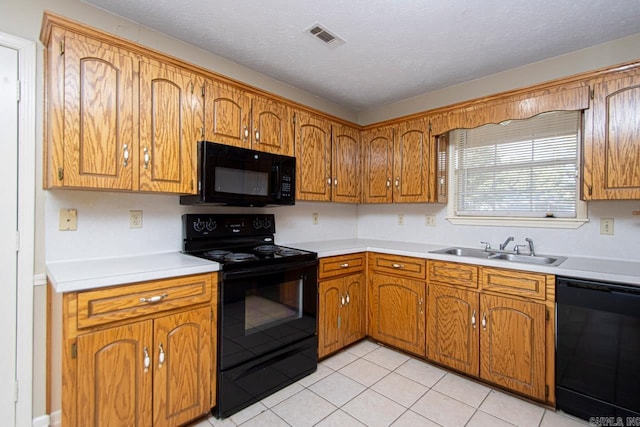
{"points": [[341, 300], [147, 359], [397, 265], [160, 355], [473, 319], [345, 265], [484, 321], [154, 299], [348, 299]]}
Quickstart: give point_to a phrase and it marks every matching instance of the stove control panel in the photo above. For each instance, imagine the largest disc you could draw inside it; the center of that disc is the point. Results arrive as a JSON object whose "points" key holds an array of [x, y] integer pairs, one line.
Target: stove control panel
{"points": [[196, 226]]}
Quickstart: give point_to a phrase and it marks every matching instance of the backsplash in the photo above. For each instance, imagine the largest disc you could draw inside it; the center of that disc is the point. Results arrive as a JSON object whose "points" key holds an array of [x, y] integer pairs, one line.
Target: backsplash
{"points": [[103, 226]]}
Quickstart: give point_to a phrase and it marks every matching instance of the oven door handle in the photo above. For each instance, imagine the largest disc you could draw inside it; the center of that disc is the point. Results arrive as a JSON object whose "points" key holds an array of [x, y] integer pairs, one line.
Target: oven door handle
{"points": [[269, 269]]}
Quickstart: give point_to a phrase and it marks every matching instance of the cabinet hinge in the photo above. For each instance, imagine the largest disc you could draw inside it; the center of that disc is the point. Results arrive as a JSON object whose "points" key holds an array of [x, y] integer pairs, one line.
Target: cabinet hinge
{"points": [[590, 188], [294, 118], [202, 132], [429, 126], [61, 47], [211, 314], [60, 174], [546, 390], [74, 350], [592, 93], [546, 314], [202, 90], [192, 185]]}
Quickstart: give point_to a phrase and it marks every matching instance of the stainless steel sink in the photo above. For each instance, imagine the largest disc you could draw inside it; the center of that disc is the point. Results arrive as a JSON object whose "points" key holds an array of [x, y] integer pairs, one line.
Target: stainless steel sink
{"points": [[502, 256]]}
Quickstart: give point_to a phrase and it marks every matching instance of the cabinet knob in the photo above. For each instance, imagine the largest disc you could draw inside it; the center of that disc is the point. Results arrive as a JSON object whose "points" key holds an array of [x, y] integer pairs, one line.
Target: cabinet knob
{"points": [[246, 133], [388, 182], [125, 155], [345, 265], [473, 319], [335, 182], [147, 158], [420, 302], [348, 299], [341, 300], [257, 132], [484, 321], [397, 266], [397, 182], [147, 359], [160, 355], [329, 181]]}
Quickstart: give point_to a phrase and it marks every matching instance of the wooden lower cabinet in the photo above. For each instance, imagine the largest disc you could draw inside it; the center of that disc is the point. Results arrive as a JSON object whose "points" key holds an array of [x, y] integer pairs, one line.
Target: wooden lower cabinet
{"points": [[452, 324], [397, 312], [342, 302], [512, 344], [143, 370]]}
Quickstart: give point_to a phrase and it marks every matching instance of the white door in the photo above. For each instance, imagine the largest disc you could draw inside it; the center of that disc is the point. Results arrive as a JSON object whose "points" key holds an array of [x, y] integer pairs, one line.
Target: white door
{"points": [[8, 227]]}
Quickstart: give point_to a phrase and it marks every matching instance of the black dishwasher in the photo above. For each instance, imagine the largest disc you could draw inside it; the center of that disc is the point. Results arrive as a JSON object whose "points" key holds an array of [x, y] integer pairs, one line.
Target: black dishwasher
{"points": [[597, 349]]}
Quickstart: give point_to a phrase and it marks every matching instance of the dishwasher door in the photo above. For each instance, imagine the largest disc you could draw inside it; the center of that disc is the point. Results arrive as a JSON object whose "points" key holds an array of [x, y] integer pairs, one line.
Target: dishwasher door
{"points": [[597, 349]]}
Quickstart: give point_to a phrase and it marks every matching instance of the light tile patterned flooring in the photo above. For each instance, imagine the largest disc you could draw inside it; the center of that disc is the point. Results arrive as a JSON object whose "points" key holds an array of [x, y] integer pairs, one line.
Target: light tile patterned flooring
{"points": [[371, 385]]}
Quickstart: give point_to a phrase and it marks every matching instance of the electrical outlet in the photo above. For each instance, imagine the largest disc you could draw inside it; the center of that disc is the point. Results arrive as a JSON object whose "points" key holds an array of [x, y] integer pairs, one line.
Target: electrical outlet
{"points": [[68, 220], [135, 219], [400, 219], [430, 220], [606, 226], [316, 218]]}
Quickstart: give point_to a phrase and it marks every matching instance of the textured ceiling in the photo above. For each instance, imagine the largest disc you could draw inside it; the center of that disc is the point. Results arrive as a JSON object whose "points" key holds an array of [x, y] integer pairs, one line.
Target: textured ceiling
{"points": [[394, 49]]}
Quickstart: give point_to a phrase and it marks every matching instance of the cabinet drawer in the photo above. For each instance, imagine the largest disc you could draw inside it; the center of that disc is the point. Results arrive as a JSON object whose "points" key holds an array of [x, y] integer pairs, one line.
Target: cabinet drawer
{"points": [[399, 265], [338, 265], [452, 273], [102, 306], [512, 282]]}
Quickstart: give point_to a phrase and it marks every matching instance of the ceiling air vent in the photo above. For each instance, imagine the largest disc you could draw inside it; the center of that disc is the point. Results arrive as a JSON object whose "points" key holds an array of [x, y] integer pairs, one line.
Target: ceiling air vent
{"points": [[321, 33]]}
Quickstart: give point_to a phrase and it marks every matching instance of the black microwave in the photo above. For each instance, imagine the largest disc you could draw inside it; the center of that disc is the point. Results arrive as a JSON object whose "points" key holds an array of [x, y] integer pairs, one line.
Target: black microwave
{"points": [[237, 176]]}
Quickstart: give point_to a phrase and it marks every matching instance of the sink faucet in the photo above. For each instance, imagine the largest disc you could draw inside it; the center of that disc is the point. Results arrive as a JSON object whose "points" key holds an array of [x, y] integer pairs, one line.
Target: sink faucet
{"points": [[532, 251], [506, 242]]}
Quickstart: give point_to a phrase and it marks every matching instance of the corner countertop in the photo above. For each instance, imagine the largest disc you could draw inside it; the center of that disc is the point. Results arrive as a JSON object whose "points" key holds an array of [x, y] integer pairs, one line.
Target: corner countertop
{"points": [[78, 275], [603, 269]]}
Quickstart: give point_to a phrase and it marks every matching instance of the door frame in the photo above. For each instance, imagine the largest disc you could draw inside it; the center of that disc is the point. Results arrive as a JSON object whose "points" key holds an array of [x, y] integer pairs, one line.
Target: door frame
{"points": [[26, 222]]}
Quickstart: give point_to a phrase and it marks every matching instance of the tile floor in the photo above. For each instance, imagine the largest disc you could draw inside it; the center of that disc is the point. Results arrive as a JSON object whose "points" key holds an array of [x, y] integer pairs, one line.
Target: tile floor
{"points": [[370, 385]]}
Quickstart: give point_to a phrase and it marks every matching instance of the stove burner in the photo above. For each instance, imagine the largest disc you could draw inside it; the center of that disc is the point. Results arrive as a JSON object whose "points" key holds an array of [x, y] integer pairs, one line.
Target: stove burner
{"points": [[237, 257], [267, 249], [218, 253], [288, 252]]}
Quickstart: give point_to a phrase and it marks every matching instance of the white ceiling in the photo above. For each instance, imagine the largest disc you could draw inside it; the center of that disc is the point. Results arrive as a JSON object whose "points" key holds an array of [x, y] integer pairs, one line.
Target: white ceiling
{"points": [[394, 49]]}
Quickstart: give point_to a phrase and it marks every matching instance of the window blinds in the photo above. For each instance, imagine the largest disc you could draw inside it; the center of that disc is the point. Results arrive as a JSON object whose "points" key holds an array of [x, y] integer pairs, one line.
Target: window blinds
{"points": [[519, 168]]}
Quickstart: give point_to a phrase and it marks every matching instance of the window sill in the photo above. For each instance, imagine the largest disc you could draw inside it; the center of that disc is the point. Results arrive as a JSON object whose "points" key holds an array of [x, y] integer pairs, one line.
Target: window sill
{"points": [[568, 223]]}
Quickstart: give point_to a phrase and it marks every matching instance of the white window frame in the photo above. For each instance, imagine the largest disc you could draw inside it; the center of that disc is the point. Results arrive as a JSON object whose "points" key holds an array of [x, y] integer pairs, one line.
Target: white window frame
{"points": [[507, 221]]}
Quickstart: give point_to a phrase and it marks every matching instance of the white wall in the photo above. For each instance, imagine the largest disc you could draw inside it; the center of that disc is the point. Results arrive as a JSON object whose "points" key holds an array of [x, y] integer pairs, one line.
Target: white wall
{"points": [[381, 222]]}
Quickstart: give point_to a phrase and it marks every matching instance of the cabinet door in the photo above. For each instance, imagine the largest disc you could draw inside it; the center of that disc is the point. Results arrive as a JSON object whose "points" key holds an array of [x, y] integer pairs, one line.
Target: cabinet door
{"points": [[410, 160], [397, 312], [329, 313], [114, 386], [345, 164], [171, 119], [181, 364], [313, 154], [377, 165], [227, 112], [453, 324], [272, 127], [353, 323], [512, 344], [99, 138], [612, 141]]}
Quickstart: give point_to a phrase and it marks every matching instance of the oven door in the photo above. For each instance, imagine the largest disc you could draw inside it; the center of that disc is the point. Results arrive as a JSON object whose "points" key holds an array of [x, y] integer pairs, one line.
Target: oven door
{"points": [[264, 309]]}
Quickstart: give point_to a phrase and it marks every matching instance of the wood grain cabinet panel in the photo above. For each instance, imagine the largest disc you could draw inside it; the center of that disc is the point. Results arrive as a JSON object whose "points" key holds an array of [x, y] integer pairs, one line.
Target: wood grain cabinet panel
{"points": [[340, 265], [377, 165], [313, 155], [451, 273], [272, 129], [512, 344], [171, 121], [227, 114], [453, 328], [342, 299], [345, 164], [512, 282], [411, 160], [91, 140], [611, 168], [399, 265], [397, 309]]}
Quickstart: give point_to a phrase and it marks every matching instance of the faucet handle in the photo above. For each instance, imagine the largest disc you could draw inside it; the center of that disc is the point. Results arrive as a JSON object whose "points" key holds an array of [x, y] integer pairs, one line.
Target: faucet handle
{"points": [[487, 245], [516, 249]]}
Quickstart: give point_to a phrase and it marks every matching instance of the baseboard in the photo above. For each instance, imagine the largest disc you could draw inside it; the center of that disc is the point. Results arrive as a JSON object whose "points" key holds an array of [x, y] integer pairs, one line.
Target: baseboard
{"points": [[42, 421]]}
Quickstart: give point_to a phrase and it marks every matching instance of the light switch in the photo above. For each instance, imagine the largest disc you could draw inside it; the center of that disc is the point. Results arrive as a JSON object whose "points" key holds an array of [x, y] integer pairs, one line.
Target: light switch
{"points": [[606, 226]]}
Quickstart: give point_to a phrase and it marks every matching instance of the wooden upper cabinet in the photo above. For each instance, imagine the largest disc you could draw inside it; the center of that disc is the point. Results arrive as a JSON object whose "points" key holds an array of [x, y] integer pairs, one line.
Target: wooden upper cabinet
{"points": [[227, 114], [171, 121], [91, 140], [512, 344], [313, 157], [115, 385], [612, 140], [377, 165], [345, 164], [410, 161], [272, 129]]}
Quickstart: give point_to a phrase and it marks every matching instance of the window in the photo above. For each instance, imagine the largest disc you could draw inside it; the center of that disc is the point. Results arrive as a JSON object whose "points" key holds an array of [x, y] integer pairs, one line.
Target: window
{"points": [[518, 169]]}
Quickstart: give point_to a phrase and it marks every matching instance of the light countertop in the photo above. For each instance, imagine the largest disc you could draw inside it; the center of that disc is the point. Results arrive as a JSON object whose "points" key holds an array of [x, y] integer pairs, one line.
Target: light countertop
{"points": [[77, 275], [609, 270]]}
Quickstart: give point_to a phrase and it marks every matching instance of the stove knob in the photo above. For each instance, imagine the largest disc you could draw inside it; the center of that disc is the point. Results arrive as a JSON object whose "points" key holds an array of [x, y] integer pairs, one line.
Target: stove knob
{"points": [[257, 223], [211, 225], [267, 223], [198, 225]]}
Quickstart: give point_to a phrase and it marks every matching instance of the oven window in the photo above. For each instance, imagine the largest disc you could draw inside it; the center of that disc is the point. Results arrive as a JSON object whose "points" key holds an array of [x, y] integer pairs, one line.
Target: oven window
{"points": [[238, 181], [269, 306]]}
